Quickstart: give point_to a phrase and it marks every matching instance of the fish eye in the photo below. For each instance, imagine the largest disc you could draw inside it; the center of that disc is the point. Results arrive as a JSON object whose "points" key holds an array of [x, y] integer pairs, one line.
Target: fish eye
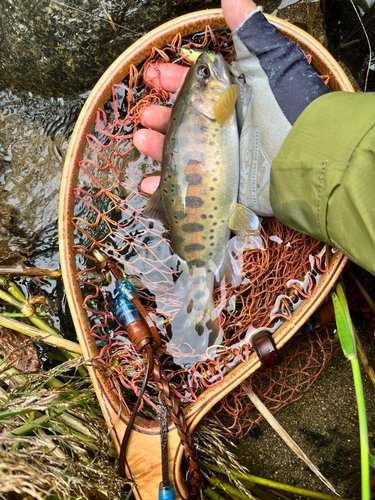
{"points": [[203, 72]]}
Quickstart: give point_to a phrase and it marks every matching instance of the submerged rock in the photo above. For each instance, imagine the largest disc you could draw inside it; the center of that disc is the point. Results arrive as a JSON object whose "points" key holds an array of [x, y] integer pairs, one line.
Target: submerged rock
{"points": [[55, 48]]}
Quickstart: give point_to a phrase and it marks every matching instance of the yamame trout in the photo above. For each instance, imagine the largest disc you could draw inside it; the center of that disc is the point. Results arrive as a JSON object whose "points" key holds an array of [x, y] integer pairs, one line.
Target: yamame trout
{"points": [[197, 197]]}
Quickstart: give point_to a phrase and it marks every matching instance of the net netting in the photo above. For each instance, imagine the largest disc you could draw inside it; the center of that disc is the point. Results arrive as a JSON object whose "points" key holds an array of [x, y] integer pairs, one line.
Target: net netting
{"points": [[280, 267]]}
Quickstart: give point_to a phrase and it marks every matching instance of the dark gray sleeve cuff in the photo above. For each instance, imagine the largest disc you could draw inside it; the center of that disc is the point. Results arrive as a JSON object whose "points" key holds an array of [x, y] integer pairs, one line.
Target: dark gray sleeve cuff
{"points": [[294, 83]]}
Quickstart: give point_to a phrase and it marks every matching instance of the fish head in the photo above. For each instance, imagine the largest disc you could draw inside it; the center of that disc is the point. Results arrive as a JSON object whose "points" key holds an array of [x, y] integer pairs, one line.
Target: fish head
{"points": [[209, 91], [211, 77]]}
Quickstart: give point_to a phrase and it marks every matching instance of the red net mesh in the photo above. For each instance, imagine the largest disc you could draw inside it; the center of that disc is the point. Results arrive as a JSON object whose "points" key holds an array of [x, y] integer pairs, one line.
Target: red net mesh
{"points": [[280, 267]]}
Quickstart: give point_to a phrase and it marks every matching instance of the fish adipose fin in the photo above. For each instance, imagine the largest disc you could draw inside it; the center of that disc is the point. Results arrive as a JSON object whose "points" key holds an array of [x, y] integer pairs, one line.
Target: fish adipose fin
{"points": [[225, 105], [154, 208], [243, 219]]}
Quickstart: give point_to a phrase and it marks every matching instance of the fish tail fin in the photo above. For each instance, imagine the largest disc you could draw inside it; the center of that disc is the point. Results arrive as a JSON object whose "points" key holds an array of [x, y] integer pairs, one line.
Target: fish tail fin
{"points": [[195, 328]]}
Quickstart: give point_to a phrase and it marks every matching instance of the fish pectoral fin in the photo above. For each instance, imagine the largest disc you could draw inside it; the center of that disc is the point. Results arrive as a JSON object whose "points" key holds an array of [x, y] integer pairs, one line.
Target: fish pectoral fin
{"points": [[225, 105], [243, 219], [228, 270], [154, 208]]}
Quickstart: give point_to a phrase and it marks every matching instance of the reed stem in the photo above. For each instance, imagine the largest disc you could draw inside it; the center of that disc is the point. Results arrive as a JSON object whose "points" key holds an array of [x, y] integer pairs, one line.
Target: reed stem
{"points": [[274, 484]]}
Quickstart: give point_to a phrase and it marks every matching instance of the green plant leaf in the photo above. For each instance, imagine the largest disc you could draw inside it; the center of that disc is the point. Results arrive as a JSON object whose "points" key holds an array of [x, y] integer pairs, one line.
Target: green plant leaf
{"points": [[345, 331]]}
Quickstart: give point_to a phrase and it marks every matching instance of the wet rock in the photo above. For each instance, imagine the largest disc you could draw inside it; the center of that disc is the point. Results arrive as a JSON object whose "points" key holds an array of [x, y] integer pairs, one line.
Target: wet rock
{"points": [[347, 40], [55, 48]]}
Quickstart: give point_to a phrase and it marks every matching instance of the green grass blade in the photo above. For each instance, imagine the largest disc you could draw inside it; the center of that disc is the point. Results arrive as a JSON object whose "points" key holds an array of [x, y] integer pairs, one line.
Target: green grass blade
{"points": [[347, 340], [344, 328]]}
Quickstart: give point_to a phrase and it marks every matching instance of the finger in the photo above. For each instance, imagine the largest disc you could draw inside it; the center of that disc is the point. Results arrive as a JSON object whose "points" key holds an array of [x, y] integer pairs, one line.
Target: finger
{"points": [[167, 76], [149, 184], [156, 117], [150, 143], [235, 11]]}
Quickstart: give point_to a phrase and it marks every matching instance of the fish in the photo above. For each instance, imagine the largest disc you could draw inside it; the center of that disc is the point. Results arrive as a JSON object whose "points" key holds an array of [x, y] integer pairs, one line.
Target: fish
{"points": [[197, 198]]}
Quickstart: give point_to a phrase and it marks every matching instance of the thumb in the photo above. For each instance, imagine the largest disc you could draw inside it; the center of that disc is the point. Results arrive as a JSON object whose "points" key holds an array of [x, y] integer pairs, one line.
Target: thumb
{"points": [[236, 11]]}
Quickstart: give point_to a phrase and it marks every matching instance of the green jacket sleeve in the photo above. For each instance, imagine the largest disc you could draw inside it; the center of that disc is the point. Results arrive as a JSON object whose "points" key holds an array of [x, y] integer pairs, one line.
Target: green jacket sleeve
{"points": [[323, 179]]}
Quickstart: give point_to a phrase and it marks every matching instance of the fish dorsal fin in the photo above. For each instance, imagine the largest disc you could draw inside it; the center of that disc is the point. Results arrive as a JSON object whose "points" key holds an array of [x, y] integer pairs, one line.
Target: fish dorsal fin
{"points": [[243, 219], [225, 105], [154, 208]]}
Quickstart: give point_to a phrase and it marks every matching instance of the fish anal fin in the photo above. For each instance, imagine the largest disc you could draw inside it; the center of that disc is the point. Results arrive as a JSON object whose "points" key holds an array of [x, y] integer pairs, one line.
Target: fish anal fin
{"points": [[243, 219], [154, 208], [225, 105], [229, 271]]}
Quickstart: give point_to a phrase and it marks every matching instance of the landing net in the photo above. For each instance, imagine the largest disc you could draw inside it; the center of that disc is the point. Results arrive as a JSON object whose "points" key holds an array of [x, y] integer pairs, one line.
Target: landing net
{"points": [[280, 267]]}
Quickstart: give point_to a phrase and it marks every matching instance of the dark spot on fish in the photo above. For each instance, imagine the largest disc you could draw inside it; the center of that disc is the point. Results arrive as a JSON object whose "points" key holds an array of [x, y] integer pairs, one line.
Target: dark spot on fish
{"points": [[197, 280], [178, 240], [216, 130], [165, 191], [210, 216], [192, 227], [194, 247], [203, 216], [211, 143], [212, 244], [180, 215], [196, 263], [215, 208], [217, 163], [211, 230], [199, 294], [212, 199], [213, 170], [190, 307], [169, 175], [211, 237], [214, 224], [194, 179], [164, 180], [199, 329], [211, 326], [214, 179], [213, 135], [193, 201], [223, 221], [217, 153], [211, 253], [174, 119], [212, 189], [193, 158]]}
